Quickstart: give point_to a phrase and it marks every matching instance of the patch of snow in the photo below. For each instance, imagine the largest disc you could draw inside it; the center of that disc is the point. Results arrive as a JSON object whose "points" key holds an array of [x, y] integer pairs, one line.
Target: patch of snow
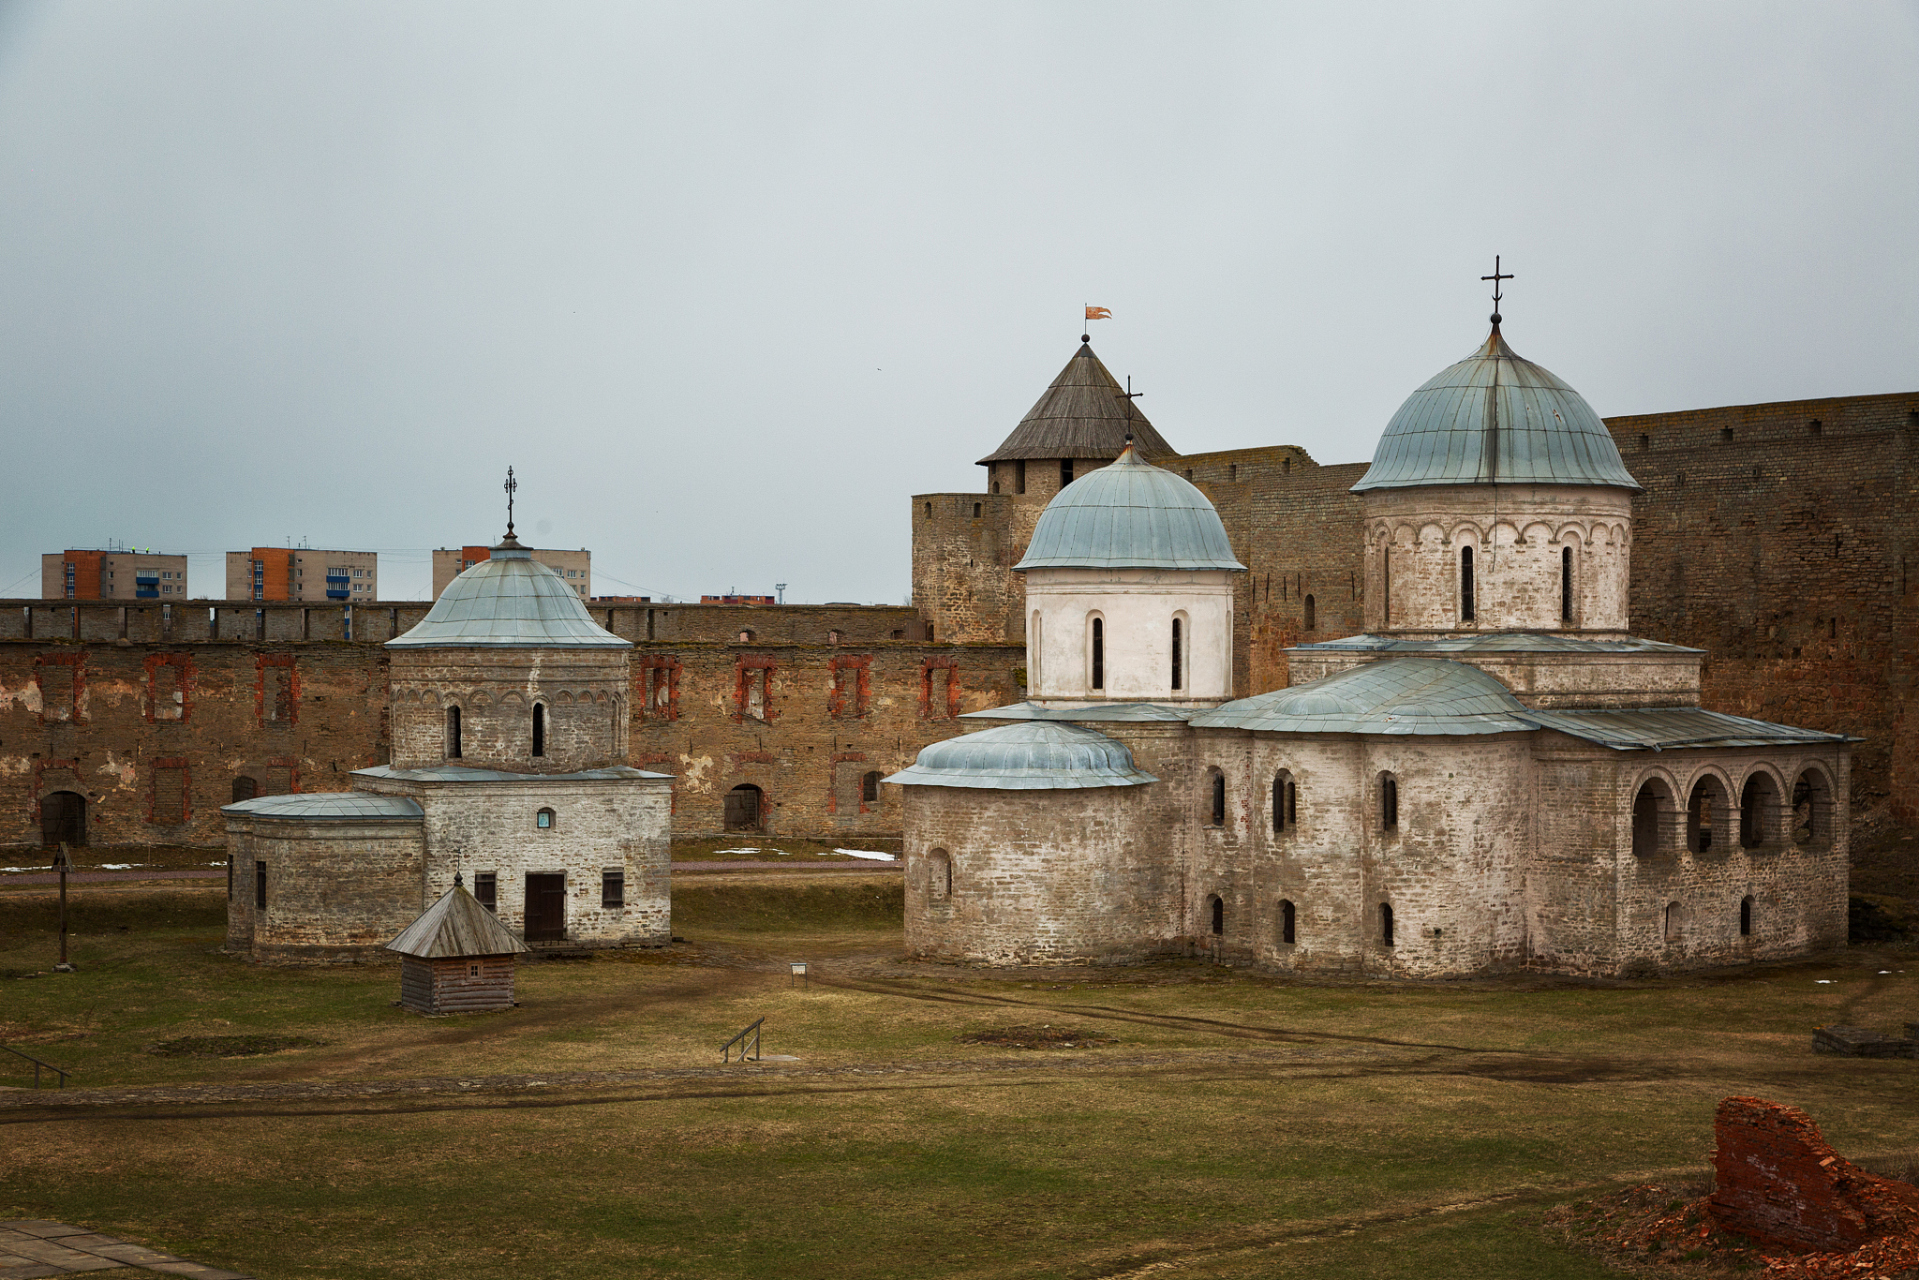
{"points": [[868, 854], [26, 868], [736, 851], [1825, 982], [126, 866]]}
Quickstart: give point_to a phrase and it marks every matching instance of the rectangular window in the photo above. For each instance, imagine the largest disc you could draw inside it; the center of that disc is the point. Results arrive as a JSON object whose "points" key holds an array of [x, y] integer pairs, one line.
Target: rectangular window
{"points": [[612, 889], [486, 889], [169, 804], [229, 877], [260, 886]]}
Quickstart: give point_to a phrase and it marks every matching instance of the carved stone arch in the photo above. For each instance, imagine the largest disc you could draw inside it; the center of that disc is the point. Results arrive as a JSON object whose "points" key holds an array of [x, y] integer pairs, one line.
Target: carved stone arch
{"points": [[1431, 534], [1467, 533], [599, 696], [480, 699], [1766, 767], [563, 698], [512, 700], [1708, 769], [1526, 533], [1574, 533], [1814, 765], [1659, 773], [1506, 529]]}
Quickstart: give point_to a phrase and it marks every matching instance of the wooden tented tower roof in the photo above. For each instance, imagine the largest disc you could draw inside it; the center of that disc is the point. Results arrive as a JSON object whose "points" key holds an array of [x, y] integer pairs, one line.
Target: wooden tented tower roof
{"points": [[1084, 414], [456, 925]]}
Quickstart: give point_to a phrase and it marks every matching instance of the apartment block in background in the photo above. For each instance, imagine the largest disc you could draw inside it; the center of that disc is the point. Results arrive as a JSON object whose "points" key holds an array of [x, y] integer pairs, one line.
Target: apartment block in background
{"points": [[575, 566], [112, 575], [302, 573]]}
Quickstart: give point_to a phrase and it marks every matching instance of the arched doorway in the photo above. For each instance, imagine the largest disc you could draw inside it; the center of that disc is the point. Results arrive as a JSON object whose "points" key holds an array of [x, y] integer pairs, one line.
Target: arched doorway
{"points": [[63, 819], [744, 806], [244, 788]]}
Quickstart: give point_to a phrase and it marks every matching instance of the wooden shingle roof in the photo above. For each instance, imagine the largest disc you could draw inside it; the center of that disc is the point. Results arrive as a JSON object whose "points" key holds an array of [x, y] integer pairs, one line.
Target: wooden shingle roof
{"points": [[456, 925], [1084, 414]]}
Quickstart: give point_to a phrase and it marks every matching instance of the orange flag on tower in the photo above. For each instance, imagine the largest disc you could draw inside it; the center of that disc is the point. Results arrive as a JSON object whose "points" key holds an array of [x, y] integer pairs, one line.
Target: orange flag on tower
{"points": [[1098, 313]]}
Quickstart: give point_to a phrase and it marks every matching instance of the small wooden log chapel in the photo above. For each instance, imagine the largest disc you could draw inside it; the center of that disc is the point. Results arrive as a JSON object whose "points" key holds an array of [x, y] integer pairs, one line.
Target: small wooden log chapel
{"points": [[457, 957]]}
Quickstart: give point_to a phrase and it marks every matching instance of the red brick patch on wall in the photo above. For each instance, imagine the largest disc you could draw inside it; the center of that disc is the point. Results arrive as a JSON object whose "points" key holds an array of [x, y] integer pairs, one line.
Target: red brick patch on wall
{"points": [[160, 703]]}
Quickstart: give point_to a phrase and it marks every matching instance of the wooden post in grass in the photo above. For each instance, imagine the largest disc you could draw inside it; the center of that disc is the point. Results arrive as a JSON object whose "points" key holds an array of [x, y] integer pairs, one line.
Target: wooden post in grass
{"points": [[63, 862]]}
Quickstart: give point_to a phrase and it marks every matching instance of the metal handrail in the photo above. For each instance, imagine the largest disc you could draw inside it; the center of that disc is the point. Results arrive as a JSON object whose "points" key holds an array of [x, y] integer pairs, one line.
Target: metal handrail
{"points": [[62, 1072], [740, 1040]]}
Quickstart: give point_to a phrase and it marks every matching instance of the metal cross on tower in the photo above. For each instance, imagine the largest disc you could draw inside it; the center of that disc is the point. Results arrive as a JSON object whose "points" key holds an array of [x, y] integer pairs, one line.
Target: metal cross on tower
{"points": [[1496, 277], [511, 486], [1129, 395]]}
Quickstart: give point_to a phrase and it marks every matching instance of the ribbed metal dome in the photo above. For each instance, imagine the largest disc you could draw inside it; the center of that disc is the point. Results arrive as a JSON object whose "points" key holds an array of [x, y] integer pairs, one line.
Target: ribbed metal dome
{"points": [[1494, 417], [509, 601], [1031, 756], [1129, 514]]}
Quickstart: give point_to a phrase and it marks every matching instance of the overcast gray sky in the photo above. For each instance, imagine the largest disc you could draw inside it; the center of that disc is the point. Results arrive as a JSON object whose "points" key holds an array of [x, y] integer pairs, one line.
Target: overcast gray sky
{"points": [[728, 283]]}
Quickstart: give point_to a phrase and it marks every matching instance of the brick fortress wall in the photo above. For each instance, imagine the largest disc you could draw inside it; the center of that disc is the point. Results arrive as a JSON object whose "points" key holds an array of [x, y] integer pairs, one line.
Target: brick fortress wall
{"points": [[151, 712], [1783, 538]]}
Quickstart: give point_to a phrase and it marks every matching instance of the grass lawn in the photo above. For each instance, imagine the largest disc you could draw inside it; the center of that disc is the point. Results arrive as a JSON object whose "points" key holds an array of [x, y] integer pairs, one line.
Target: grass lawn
{"points": [[1237, 1125]]}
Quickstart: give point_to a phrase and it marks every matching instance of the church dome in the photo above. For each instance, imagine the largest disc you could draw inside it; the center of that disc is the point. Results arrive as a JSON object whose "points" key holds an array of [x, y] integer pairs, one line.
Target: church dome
{"points": [[1030, 756], [1495, 417], [1129, 515], [508, 601]]}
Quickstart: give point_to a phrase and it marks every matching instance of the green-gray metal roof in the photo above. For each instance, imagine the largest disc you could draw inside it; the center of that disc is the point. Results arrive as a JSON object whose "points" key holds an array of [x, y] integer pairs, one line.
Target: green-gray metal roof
{"points": [[1493, 642], [350, 806], [1495, 417], [1394, 696], [1129, 514], [1110, 712], [456, 925], [1083, 414], [1031, 756], [1669, 728], [508, 601], [461, 773]]}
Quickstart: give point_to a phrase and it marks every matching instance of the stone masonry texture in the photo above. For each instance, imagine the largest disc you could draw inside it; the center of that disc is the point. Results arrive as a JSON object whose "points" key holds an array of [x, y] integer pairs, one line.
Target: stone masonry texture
{"points": [[124, 705]]}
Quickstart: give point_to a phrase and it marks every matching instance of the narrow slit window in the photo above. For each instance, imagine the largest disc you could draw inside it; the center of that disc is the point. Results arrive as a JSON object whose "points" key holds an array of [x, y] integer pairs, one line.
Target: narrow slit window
{"points": [[1099, 654], [539, 729], [1219, 915], [1312, 611], [1386, 924], [486, 889], [1065, 472], [1388, 802], [453, 733], [1288, 922], [1745, 916], [1219, 799], [1178, 683], [1467, 611], [1566, 584], [260, 886]]}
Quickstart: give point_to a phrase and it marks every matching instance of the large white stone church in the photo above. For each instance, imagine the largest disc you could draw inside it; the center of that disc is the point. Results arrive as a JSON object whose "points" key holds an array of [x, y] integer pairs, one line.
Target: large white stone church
{"points": [[1495, 775]]}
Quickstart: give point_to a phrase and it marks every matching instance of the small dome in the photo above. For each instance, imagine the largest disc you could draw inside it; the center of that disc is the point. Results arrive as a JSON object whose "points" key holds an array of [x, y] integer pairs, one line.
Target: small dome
{"points": [[1030, 756], [1418, 696], [1495, 417], [1129, 515], [509, 601]]}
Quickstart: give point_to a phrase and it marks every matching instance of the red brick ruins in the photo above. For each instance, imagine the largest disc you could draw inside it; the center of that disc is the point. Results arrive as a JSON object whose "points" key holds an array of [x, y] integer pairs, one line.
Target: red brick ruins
{"points": [[1779, 1184]]}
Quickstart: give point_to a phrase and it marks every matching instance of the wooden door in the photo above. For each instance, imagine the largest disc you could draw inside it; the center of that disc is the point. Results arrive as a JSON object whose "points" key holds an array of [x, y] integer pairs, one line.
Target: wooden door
{"points": [[545, 908]]}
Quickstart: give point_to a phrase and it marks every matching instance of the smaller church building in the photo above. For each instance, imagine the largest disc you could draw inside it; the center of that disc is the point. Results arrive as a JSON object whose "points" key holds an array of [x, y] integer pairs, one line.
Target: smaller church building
{"points": [[1495, 775], [509, 731]]}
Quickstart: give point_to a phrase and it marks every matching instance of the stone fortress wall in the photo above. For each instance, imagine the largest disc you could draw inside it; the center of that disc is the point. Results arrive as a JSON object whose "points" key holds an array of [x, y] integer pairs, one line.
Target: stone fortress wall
{"points": [[1783, 538], [152, 713]]}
